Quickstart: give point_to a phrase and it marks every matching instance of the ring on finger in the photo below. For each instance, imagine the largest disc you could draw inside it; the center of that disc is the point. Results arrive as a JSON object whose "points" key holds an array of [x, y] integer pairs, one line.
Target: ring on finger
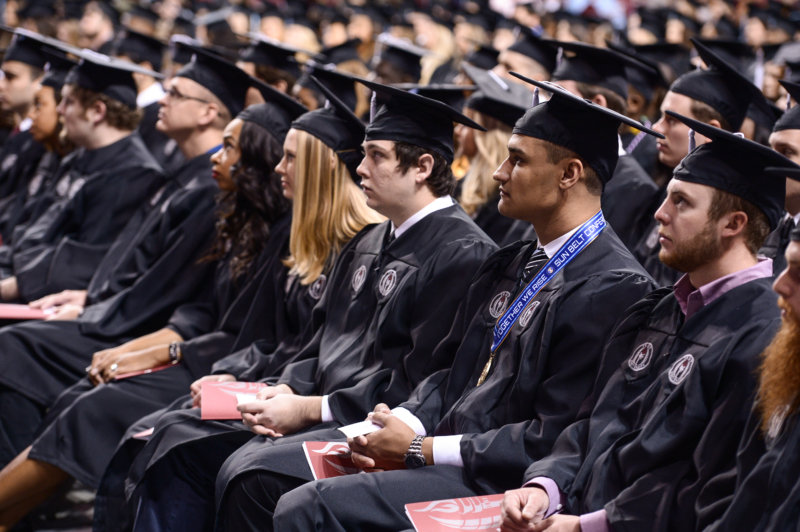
{"points": [[114, 367]]}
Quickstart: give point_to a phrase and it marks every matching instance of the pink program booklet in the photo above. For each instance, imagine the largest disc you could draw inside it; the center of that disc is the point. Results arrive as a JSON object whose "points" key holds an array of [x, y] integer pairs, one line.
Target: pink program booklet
{"points": [[10, 311], [220, 399], [328, 459], [469, 513]]}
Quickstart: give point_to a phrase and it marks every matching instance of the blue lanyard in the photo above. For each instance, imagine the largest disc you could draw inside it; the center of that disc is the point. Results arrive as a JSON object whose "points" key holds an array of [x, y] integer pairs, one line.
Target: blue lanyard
{"points": [[214, 150], [584, 236]]}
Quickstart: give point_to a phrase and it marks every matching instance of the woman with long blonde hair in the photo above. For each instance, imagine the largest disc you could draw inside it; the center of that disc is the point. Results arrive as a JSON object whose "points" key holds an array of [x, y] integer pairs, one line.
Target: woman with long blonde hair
{"points": [[496, 106], [320, 154]]}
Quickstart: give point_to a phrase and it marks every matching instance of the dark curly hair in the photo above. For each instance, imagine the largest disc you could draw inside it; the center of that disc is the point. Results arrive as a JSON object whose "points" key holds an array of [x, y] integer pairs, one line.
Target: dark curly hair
{"points": [[246, 215]]}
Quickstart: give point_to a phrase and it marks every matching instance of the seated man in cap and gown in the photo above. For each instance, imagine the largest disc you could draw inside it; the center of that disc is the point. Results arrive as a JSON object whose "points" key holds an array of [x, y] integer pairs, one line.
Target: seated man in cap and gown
{"points": [[719, 96], [680, 368], [152, 268], [761, 492], [392, 296], [527, 340]]}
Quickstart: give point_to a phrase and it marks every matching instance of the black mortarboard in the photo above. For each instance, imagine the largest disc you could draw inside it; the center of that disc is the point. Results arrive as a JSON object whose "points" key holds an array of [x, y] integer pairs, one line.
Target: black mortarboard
{"points": [[347, 51], [771, 18], [722, 87], [726, 29], [421, 121], [734, 52], [367, 10], [145, 13], [140, 48], [109, 76], [224, 79], [533, 46], [179, 52], [37, 9], [73, 10], [56, 69], [270, 116], [271, 53], [596, 66], [184, 23], [452, 95], [577, 124], [402, 55], [653, 22], [645, 76], [26, 47], [272, 95], [483, 19], [736, 165], [108, 10], [790, 118], [342, 85], [688, 22], [674, 56], [337, 127], [498, 98], [484, 56], [765, 114]]}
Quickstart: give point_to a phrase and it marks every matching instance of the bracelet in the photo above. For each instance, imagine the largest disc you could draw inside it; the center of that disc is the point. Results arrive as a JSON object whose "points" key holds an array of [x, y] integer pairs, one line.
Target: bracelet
{"points": [[175, 354]]}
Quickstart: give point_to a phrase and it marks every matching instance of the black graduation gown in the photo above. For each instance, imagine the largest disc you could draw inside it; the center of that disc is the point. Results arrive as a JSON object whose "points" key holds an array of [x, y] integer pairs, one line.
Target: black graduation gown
{"points": [[671, 415], [164, 149], [776, 243], [30, 200], [64, 246], [519, 230], [18, 159], [102, 414], [626, 198], [762, 493], [494, 224], [647, 248], [150, 270]]}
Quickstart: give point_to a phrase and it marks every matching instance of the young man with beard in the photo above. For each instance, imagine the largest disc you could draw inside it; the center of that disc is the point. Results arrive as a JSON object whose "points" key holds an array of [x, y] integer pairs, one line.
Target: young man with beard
{"points": [[718, 96], [785, 139], [391, 296], [761, 492], [526, 343], [151, 268], [681, 361]]}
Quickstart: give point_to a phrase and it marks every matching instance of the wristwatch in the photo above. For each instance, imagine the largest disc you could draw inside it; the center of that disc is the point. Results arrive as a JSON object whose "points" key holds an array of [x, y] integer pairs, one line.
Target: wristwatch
{"points": [[175, 354], [414, 458]]}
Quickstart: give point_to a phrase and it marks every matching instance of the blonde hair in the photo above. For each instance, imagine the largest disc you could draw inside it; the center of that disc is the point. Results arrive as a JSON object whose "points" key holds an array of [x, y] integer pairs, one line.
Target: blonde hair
{"points": [[360, 70], [479, 187], [329, 209], [443, 50]]}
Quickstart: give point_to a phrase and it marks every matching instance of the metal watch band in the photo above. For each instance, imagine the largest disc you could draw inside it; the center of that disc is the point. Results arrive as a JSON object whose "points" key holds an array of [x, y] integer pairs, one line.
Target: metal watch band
{"points": [[175, 353]]}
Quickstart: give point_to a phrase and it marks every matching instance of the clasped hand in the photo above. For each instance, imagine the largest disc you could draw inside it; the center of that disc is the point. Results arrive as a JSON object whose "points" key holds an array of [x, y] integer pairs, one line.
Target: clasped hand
{"points": [[384, 449], [277, 411], [524, 510], [107, 364]]}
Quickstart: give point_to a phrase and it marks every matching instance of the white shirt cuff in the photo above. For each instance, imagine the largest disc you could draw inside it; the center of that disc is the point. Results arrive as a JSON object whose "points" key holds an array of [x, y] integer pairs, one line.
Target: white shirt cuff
{"points": [[447, 451], [326, 413], [411, 420]]}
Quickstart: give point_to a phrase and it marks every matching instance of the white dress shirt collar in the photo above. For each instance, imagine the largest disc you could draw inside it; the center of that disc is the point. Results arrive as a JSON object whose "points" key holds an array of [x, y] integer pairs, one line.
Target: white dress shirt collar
{"points": [[436, 205]]}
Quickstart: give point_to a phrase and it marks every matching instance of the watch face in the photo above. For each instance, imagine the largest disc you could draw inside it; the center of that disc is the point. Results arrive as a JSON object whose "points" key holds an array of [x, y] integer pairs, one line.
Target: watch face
{"points": [[414, 461]]}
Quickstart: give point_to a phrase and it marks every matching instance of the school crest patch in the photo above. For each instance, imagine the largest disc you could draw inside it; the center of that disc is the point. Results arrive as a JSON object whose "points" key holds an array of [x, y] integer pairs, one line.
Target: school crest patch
{"points": [[75, 187], [358, 278], [62, 187], [499, 304], [388, 281], [317, 288], [652, 238], [35, 184], [527, 314], [680, 369], [8, 162], [641, 357]]}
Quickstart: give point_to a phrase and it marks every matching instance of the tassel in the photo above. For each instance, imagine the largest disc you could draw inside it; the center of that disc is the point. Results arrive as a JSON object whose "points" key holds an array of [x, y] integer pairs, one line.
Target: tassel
{"points": [[692, 143], [788, 101], [327, 104], [373, 104], [559, 57], [535, 96]]}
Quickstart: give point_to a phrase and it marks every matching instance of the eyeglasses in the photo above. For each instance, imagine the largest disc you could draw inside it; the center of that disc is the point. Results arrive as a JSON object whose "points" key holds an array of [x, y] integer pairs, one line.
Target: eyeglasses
{"points": [[175, 95]]}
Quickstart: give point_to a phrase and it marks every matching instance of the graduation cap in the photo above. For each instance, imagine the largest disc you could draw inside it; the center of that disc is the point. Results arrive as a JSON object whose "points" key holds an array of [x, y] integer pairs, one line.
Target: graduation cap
{"points": [[597, 66], [106, 75], [734, 52], [140, 48], [109, 11], [56, 69], [645, 76], [722, 87], [37, 9], [533, 46], [448, 93], [498, 98], [421, 121], [791, 118], [735, 165], [771, 18], [337, 127], [347, 51], [652, 22], [180, 48], [726, 29], [26, 47], [588, 129], [218, 16], [688, 22], [224, 79], [268, 52], [484, 56], [184, 23], [402, 55], [342, 85], [276, 114], [73, 10], [765, 114], [144, 13], [675, 56]]}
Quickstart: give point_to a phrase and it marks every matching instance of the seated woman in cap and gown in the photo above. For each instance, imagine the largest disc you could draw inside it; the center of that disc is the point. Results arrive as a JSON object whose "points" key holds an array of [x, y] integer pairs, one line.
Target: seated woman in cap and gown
{"points": [[78, 436], [329, 209]]}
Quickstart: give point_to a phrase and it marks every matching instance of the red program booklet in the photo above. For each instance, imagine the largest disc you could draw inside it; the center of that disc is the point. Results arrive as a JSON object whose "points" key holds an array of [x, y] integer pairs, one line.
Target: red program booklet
{"points": [[469, 513], [10, 311], [220, 399], [328, 459]]}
